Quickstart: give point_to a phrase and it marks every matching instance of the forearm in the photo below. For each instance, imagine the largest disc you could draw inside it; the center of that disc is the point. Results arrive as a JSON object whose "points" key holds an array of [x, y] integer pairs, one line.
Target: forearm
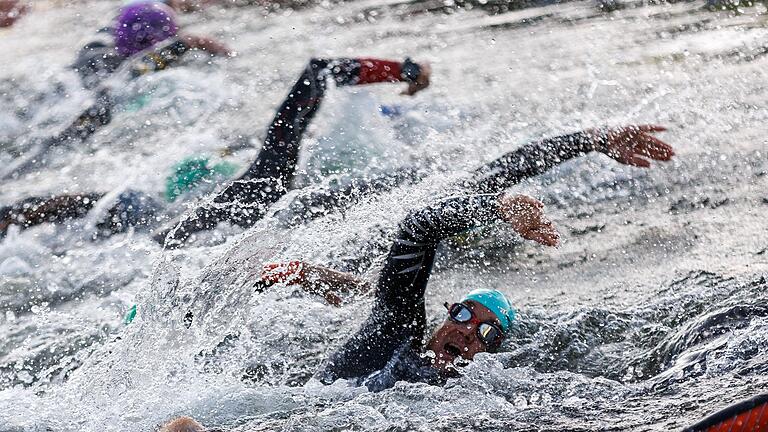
{"points": [[449, 217], [280, 152], [331, 283], [35, 211], [531, 160], [404, 277]]}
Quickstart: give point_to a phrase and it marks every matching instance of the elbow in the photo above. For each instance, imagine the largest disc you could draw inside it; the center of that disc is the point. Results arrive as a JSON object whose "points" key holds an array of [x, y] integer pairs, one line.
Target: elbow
{"points": [[316, 64], [418, 228]]}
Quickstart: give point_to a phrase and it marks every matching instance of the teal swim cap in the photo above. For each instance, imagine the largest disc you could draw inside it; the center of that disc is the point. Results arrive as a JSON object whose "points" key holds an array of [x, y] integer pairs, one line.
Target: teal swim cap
{"points": [[496, 302], [190, 172]]}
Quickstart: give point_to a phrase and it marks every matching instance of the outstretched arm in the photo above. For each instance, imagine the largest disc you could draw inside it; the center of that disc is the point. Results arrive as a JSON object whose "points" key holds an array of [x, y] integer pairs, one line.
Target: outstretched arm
{"points": [[35, 211], [628, 145], [314, 279]]}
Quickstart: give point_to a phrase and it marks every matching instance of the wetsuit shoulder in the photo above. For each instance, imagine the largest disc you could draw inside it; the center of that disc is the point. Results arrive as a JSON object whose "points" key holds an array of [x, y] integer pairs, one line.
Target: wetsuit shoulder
{"points": [[398, 317]]}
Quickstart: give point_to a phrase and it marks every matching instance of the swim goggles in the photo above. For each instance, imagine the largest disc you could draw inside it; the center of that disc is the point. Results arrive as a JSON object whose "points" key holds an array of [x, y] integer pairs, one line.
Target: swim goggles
{"points": [[490, 334]]}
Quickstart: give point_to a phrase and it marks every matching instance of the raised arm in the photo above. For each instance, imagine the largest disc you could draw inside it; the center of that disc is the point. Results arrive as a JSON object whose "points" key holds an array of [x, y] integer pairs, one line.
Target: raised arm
{"points": [[628, 145], [404, 277], [246, 200]]}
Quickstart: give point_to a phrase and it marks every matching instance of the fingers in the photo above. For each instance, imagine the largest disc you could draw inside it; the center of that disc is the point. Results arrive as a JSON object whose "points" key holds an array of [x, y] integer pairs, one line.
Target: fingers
{"points": [[654, 149], [519, 202], [332, 299], [546, 235], [414, 88], [649, 128], [638, 162]]}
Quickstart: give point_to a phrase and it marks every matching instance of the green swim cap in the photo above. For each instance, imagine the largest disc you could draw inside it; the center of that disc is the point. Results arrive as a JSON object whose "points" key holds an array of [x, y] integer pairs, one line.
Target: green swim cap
{"points": [[190, 172], [496, 302]]}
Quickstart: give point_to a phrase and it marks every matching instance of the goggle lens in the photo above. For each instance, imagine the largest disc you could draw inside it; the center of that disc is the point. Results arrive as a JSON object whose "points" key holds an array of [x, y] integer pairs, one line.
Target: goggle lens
{"points": [[460, 313], [488, 333]]}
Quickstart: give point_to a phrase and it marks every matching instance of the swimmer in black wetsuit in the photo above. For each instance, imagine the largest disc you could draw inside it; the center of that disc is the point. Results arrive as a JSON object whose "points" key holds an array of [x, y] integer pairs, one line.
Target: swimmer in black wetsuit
{"points": [[246, 200], [140, 25], [391, 345]]}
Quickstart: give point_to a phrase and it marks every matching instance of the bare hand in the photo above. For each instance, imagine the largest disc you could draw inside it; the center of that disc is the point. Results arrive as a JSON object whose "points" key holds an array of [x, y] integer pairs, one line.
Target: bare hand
{"points": [[526, 216], [207, 44], [627, 144], [422, 81], [292, 272], [10, 11]]}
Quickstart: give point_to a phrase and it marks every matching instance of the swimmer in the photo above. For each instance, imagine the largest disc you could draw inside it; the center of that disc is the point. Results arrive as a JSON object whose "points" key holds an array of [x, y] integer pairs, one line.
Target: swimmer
{"points": [[126, 210], [392, 344], [247, 200], [139, 26], [270, 177]]}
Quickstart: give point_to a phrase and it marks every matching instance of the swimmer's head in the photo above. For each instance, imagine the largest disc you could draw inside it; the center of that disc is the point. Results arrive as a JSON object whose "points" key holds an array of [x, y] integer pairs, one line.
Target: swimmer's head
{"points": [[192, 172], [177, 5], [141, 25], [476, 324]]}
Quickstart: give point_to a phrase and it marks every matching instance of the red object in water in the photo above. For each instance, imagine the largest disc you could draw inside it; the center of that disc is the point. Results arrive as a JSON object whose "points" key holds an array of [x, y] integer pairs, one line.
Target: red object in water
{"points": [[376, 71], [11, 11], [747, 416]]}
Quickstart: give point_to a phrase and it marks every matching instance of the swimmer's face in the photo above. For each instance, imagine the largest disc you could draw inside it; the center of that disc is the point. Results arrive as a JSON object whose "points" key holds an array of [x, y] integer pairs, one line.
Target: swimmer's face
{"points": [[454, 340]]}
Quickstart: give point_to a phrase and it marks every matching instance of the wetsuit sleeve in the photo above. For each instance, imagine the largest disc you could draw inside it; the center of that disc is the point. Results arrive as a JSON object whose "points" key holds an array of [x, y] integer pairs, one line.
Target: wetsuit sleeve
{"points": [[404, 277], [318, 202], [529, 161], [398, 316], [375, 70], [269, 177], [36, 211]]}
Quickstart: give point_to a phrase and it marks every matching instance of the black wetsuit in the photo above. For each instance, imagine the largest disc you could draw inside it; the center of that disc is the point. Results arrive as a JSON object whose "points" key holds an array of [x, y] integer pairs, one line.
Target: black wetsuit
{"points": [[95, 62], [98, 59], [388, 346], [247, 199]]}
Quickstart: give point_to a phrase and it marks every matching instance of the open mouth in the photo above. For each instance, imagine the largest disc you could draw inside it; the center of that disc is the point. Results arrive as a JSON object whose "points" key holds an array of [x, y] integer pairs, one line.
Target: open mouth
{"points": [[452, 349]]}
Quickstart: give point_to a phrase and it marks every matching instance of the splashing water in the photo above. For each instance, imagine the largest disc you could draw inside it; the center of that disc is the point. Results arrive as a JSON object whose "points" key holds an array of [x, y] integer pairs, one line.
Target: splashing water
{"points": [[651, 314]]}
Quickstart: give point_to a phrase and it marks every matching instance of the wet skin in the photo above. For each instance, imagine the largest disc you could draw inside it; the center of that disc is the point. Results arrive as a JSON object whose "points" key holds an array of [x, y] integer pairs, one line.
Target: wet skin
{"points": [[452, 339]]}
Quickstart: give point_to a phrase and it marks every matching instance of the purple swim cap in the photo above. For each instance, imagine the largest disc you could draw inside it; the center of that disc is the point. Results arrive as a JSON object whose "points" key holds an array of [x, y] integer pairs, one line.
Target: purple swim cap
{"points": [[143, 24]]}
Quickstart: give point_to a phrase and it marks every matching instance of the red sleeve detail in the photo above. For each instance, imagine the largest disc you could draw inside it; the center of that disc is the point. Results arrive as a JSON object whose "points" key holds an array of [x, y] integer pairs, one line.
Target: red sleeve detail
{"points": [[376, 71]]}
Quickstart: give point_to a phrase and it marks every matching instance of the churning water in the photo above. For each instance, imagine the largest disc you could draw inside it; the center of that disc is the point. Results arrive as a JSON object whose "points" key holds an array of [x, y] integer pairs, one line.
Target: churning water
{"points": [[651, 314]]}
